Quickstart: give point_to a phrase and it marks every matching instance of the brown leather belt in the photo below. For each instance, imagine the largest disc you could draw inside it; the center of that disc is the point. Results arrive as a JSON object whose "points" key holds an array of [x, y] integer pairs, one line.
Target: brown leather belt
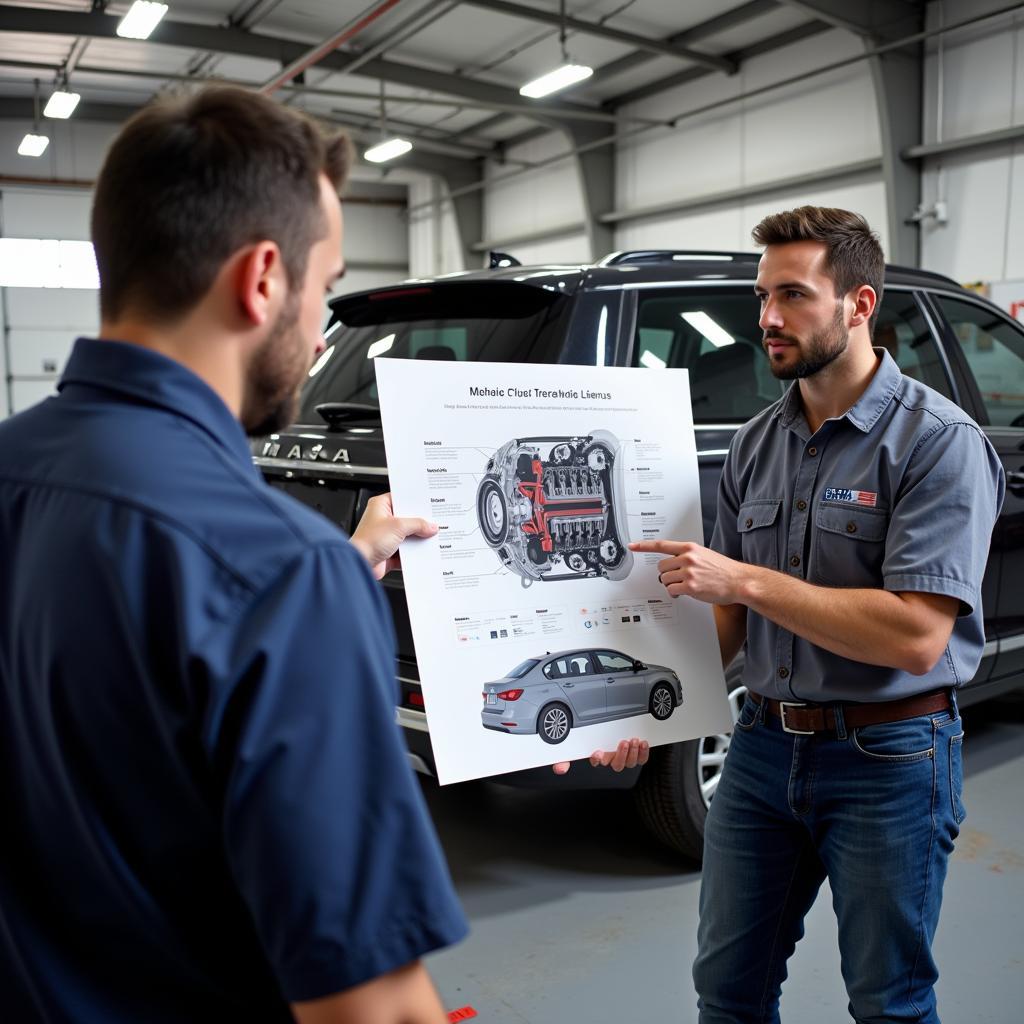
{"points": [[811, 718]]}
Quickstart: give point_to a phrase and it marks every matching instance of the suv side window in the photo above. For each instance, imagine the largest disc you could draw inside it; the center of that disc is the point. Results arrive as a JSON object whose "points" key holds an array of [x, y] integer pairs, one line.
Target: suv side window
{"points": [[994, 350], [713, 333], [904, 333]]}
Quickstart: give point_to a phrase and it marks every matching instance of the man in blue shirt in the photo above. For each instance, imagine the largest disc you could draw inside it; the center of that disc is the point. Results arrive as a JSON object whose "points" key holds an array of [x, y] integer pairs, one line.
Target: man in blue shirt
{"points": [[854, 518], [208, 809]]}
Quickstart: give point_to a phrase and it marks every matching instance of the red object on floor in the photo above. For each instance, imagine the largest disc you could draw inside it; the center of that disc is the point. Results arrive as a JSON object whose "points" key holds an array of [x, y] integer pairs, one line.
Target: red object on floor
{"points": [[464, 1013]]}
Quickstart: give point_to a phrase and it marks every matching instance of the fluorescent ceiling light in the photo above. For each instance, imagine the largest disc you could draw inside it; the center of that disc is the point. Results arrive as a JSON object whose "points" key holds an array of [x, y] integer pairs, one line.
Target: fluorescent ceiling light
{"points": [[713, 331], [33, 145], [378, 348], [141, 19], [560, 78], [61, 104], [387, 150], [651, 361]]}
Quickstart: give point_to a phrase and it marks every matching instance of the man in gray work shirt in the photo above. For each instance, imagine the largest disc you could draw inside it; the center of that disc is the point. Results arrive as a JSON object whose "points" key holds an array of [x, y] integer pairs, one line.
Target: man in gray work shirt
{"points": [[854, 518]]}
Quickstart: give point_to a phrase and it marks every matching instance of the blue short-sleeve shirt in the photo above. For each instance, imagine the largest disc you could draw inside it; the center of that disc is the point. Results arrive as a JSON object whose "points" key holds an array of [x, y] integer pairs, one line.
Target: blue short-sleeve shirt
{"points": [[207, 805], [901, 493]]}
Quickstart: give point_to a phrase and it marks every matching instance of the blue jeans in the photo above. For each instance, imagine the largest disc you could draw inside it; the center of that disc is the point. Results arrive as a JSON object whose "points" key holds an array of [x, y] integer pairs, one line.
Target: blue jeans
{"points": [[875, 810]]}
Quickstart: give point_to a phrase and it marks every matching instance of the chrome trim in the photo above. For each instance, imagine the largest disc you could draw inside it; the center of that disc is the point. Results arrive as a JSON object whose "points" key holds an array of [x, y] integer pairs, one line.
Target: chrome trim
{"points": [[1015, 643], [418, 764], [713, 451], [409, 719], [719, 426], [344, 468], [991, 648]]}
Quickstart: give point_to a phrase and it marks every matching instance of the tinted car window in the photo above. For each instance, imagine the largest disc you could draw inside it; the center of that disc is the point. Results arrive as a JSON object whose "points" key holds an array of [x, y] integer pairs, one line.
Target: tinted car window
{"points": [[612, 662], [994, 349], [499, 322], [715, 335], [902, 330]]}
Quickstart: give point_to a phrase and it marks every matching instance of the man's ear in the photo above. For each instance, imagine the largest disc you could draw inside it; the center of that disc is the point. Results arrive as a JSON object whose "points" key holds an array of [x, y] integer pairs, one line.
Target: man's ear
{"points": [[259, 282], [864, 302]]}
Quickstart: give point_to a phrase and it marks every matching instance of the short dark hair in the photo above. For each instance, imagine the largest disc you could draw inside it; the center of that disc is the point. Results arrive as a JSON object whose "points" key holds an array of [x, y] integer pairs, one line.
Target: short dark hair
{"points": [[191, 180], [854, 253]]}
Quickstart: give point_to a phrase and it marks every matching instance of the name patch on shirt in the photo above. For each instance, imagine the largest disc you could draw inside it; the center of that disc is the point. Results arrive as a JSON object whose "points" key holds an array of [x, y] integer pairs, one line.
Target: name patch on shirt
{"points": [[869, 498]]}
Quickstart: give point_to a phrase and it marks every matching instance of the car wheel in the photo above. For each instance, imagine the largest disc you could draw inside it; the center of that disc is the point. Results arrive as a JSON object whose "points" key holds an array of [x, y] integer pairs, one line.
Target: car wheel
{"points": [[679, 781], [662, 702], [554, 723]]}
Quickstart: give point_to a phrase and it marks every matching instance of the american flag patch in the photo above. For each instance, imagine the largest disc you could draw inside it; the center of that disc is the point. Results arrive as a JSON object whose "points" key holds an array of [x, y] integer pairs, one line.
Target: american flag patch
{"points": [[868, 498]]}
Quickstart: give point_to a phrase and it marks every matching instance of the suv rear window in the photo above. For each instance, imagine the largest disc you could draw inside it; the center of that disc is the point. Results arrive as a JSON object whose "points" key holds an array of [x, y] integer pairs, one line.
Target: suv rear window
{"points": [[496, 321]]}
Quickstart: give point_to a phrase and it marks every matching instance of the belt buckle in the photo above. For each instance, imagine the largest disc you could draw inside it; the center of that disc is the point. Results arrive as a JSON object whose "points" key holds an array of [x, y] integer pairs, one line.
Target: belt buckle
{"points": [[783, 705]]}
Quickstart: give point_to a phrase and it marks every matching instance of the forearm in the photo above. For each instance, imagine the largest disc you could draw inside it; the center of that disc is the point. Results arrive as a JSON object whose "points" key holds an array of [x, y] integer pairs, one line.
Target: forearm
{"points": [[405, 996], [731, 624], [872, 626]]}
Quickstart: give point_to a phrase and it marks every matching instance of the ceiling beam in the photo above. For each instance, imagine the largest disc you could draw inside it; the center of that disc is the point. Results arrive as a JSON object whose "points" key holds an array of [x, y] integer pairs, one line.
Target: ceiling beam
{"points": [[656, 46], [762, 46], [93, 24], [875, 20]]}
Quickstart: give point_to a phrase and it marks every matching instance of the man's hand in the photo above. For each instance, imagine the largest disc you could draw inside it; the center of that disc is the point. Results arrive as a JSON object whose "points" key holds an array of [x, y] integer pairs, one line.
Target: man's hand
{"points": [[380, 532], [696, 571], [628, 754]]}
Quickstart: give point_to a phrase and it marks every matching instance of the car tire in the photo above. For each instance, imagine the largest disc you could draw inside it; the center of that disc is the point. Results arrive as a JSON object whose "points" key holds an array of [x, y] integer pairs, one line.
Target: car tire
{"points": [[676, 786], [554, 722], [662, 702]]}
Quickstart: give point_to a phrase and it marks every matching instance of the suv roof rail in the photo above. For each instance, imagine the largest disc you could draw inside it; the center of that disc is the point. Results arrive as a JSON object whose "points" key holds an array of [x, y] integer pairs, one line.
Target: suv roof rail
{"points": [[668, 255], [934, 275]]}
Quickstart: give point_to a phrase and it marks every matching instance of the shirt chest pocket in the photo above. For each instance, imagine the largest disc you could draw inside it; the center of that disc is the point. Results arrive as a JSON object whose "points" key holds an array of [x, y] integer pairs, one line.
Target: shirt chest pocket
{"points": [[758, 526], [849, 545]]}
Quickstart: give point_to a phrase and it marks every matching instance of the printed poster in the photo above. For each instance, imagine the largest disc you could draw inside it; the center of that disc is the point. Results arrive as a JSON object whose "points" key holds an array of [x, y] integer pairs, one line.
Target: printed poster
{"points": [[539, 635]]}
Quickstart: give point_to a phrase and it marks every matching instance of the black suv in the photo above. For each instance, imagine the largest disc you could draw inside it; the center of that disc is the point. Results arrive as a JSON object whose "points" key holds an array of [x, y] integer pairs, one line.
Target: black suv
{"points": [[648, 309]]}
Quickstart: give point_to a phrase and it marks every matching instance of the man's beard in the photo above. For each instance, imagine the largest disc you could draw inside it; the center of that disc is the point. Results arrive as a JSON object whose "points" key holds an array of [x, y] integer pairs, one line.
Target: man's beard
{"points": [[822, 348], [275, 374]]}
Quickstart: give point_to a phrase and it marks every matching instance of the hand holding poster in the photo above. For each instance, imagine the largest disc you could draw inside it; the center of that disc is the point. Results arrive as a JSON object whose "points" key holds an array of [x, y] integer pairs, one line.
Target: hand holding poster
{"points": [[539, 635]]}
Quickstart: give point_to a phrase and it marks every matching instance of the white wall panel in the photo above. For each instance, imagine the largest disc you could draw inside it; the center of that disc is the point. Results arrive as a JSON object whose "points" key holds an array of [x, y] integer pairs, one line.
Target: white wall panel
{"points": [[26, 393], [375, 232], [975, 84], [524, 203], [567, 249], [433, 237], [38, 352], [63, 309]]}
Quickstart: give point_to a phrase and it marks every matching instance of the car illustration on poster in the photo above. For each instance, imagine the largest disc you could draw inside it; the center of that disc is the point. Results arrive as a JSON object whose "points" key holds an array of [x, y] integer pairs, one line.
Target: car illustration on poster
{"points": [[550, 507], [554, 693]]}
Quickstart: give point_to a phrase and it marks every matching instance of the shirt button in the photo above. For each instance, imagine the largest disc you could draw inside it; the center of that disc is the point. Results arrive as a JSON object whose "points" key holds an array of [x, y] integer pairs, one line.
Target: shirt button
{"points": [[851, 527], [749, 523], [812, 451], [801, 505], [783, 672], [794, 561]]}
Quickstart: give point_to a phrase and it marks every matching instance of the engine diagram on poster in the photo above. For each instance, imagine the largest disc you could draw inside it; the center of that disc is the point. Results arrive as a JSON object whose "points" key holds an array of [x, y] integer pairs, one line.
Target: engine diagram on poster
{"points": [[551, 508]]}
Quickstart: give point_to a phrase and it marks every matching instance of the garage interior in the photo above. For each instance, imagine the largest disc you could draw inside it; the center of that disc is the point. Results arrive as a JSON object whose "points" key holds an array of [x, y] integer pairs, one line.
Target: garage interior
{"points": [[698, 118]]}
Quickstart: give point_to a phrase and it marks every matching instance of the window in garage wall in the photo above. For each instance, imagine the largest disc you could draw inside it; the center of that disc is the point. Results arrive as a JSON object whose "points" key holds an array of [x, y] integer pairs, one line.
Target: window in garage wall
{"points": [[40, 324]]}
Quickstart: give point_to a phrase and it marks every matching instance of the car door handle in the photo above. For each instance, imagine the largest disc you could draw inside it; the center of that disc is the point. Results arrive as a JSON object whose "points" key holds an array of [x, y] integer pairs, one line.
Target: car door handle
{"points": [[610, 679], [1015, 481], [568, 686]]}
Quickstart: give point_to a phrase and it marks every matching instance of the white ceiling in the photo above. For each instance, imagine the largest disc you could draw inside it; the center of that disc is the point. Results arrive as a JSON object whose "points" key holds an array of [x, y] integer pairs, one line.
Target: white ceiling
{"points": [[448, 36]]}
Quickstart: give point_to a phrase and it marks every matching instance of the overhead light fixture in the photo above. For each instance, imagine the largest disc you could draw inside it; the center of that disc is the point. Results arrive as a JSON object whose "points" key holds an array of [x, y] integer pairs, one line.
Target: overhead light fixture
{"points": [[388, 150], [34, 143], [569, 73], [553, 81], [142, 17], [61, 104]]}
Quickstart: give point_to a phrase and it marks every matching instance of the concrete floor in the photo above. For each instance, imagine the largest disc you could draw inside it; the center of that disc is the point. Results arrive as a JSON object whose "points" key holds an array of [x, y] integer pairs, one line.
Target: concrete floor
{"points": [[577, 916]]}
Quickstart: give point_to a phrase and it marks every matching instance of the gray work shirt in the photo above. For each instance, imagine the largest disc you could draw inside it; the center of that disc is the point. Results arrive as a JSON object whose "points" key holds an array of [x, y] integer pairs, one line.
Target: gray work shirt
{"points": [[900, 493]]}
